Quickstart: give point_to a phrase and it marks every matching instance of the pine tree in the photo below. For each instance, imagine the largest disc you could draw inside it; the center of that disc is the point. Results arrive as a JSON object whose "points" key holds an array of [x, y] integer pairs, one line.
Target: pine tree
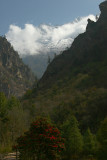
{"points": [[102, 138], [49, 60], [89, 143], [13, 102], [3, 105], [74, 141]]}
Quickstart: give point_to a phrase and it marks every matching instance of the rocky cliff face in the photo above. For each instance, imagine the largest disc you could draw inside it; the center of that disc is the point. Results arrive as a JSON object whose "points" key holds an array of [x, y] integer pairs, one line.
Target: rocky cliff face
{"points": [[88, 49], [15, 77]]}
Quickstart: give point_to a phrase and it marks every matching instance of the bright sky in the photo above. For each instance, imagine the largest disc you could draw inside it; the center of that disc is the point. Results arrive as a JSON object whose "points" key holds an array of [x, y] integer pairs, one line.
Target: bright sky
{"points": [[35, 26], [36, 12]]}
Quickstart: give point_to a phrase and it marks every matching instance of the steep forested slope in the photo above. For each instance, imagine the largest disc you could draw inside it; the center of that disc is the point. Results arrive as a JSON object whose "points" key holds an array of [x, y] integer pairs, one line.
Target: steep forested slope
{"points": [[76, 80], [86, 56]]}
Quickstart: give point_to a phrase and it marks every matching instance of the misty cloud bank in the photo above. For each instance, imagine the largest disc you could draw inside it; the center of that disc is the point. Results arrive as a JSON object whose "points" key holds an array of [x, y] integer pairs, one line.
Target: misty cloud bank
{"points": [[33, 40]]}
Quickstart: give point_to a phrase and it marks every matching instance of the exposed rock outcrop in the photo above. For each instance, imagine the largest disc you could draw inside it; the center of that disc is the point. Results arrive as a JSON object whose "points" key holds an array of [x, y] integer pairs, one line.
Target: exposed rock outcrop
{"points": [[15, 76]]}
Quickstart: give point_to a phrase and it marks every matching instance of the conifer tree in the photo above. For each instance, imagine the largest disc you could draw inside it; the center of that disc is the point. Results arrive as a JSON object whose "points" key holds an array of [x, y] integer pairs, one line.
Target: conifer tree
{"points": [[89, 143], [102, 138], [13, 102], [3, 104], [49, 59], [74, 140]]}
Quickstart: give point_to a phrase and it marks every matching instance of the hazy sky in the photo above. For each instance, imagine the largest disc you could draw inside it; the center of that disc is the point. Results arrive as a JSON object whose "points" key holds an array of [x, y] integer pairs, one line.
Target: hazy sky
{"points": [[36, 12]]}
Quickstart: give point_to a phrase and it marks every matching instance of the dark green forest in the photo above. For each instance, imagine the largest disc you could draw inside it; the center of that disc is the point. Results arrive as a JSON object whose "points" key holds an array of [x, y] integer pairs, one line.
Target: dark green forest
{"points": [[85, 134]]}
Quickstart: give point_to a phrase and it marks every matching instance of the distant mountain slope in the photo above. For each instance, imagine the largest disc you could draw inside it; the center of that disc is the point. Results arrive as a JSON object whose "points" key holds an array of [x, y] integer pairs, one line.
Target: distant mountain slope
{"points": [[15, 76], [38, 63]]}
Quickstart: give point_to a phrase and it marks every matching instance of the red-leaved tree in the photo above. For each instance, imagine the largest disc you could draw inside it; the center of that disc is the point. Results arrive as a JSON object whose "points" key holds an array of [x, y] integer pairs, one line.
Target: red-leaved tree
{"points": [[42, 141]]}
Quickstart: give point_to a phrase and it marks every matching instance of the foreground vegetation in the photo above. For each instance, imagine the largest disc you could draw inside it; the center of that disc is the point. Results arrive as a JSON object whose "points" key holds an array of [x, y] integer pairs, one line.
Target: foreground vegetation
{"points": [[84, 137]]}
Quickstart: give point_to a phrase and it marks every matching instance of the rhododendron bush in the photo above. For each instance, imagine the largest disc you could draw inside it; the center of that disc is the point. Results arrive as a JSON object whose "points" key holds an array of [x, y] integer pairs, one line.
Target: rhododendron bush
{"points": [[42, 141]]}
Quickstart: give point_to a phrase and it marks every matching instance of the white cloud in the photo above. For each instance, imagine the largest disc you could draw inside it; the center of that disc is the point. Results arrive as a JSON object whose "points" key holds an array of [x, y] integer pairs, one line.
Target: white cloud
{"points": [[45, 38]]}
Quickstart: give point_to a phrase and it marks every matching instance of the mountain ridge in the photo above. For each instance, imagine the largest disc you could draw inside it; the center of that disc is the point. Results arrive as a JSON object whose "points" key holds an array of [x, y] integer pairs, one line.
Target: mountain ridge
{"points": [[15, 76], [88, 47]]}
